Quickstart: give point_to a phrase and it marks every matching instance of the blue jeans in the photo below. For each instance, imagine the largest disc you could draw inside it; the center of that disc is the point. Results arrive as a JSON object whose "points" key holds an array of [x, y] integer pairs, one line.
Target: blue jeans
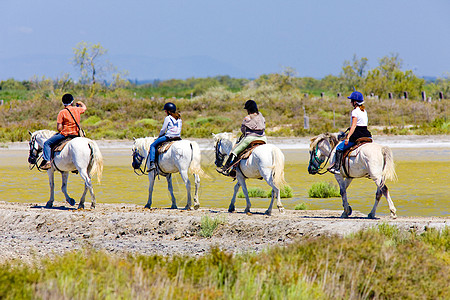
{"points": [[49, 144], [155, 144], [342, 146]]}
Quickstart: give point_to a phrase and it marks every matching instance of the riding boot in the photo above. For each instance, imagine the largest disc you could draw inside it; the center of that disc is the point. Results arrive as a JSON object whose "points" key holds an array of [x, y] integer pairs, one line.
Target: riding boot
{"points": [[336, 167], [152, 166], [225, 169], [45, 165]]}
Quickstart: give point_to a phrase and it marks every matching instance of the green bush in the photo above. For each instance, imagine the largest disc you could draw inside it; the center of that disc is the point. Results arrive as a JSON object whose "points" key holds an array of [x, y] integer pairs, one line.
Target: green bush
{"points": [[301, 206], [323, 190], [208, 225], [285, 192]]}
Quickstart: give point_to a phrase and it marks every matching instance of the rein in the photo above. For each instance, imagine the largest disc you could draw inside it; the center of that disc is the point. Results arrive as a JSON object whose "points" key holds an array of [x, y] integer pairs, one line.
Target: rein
{"points": [[219, 156], [34, 157], [139, 158], [319, 162]]}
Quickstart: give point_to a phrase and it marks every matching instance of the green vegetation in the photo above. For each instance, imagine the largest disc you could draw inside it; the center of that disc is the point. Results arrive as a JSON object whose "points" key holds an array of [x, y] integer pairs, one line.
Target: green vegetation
{"points": [[123, 110], [301, 206], [285, 192], [382, 262], [323, 190], [208, 225]]}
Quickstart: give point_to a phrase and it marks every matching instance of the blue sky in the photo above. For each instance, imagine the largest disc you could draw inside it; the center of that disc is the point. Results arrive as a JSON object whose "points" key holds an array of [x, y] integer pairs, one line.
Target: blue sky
{"points": [[197, 38]]}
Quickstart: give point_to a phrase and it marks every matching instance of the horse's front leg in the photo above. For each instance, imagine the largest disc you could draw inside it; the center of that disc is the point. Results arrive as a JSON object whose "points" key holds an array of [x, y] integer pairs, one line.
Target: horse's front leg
{"points": [[197, 187], [51, 182], [232, 207], [241, 180], [343, 185], [170, 188], [87, 186], [65, 179], [187, 183], [151, 182]]}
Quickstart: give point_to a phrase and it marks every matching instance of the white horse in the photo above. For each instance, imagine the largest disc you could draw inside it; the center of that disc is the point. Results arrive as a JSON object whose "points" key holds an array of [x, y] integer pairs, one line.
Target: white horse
{"points": [[182, 156], [80, 154], [370, 160], [266, 161]]}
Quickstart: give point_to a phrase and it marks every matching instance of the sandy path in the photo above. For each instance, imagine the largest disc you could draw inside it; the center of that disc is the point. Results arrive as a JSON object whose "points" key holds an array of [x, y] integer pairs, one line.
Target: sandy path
{"points": [[29, 231]]}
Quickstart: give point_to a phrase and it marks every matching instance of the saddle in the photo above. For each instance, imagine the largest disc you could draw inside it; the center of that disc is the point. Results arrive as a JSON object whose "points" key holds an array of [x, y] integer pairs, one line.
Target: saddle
{"points": [[359, 142], [244, 155], [163, 148]]}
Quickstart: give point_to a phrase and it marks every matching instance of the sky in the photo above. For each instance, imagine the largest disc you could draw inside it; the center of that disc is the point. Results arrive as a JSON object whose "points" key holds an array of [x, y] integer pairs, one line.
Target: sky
{"points": [[247, 38]]}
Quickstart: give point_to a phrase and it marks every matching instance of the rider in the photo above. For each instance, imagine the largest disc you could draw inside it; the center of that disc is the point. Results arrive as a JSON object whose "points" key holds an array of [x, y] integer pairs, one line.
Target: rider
{"points": [[66, 126], [170, 129], [358, 129], [253, 129]]}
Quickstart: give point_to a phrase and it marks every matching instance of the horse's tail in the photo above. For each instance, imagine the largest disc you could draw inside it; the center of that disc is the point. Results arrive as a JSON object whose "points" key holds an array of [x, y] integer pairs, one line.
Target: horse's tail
{"points": [[389, 166], [278, 167], [96, 162], [195, 166]]}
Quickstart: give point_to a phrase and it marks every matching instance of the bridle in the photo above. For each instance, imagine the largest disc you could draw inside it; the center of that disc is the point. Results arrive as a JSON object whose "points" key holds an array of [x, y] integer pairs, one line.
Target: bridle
{"points": [[315, 163], [137, 163], [220, 157], [34, 158]]}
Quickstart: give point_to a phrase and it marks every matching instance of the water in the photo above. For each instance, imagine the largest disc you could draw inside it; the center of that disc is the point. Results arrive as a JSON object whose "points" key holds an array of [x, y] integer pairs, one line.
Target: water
{"points": [[423, 187]]}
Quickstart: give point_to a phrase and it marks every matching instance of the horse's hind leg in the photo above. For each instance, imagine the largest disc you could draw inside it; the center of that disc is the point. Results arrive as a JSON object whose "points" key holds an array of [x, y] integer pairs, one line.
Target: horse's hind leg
{"points": [[241, 180], [170, 188], [87, 186], [65, 179], [383, 191], [51, 182], [197, 186], [275, 192]]}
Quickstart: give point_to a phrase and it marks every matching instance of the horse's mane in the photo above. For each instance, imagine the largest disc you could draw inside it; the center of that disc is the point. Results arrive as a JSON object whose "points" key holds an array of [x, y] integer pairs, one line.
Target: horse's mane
{"points": [[332, 138], [45, 133], [225, 136], [143, 143]]}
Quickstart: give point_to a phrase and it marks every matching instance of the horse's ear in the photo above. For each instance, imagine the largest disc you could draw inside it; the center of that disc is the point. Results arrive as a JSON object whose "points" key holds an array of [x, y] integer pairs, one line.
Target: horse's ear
{"points": [[134, 139], [30, 133]]}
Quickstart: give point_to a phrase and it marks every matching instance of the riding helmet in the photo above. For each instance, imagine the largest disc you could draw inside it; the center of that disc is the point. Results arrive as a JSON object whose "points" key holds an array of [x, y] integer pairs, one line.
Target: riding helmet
{"points": [[357, 96], [251, 106], [170, 107], [67, 99]]}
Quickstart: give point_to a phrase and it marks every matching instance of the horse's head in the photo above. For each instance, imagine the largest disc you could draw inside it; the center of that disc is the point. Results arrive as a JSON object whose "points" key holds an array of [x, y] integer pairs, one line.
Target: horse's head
{"points": [[320, 149], [140, 151], [223, 143], [35, 149]]}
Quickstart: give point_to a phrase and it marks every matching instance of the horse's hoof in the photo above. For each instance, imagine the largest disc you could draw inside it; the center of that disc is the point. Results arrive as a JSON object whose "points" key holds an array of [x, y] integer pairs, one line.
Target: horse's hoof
{"points": [[350, 210], [175, 207], [187, 208], [80, 207], [148, 206], [371, 216], [249, 213], [281, 210], [196, 206], [71, 201], [344, 215], [48, 205], [231, 209], [92, 206], [393, 216], [268, 213]]}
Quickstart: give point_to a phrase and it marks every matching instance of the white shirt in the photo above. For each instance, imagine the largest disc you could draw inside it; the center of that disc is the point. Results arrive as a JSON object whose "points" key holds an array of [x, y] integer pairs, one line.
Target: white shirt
{"points": [[171, 127], [361, 117]]}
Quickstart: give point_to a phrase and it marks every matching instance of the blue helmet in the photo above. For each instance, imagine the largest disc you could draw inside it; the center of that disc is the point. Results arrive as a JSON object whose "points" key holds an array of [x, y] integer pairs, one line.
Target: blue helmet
{"points": [[170, 107], [357, 96]]}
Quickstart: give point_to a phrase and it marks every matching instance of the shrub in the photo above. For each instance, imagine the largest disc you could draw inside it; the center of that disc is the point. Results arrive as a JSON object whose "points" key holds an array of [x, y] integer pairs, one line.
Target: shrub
{"points": [[301, 206], [323, 190], [208, 225], [285, 192]]}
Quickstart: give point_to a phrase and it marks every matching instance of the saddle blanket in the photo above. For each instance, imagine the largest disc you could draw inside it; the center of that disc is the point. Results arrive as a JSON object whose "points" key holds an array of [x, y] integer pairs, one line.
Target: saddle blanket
{"points": [[164, 147]]}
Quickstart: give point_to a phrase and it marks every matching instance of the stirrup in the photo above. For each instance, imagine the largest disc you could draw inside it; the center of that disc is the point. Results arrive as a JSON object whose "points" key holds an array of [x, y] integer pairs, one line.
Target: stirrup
{"points": [[152, 166], [334, 171]]}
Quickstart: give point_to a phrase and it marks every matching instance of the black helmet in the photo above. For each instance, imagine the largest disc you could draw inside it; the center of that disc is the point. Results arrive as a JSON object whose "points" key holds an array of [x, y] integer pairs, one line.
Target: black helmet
{"points": [[251, 106], [67, 99], [170, 107]]}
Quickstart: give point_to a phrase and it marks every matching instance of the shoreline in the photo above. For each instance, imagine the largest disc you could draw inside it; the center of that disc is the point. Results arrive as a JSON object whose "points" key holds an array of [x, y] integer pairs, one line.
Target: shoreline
{"points": [[284, 143]]}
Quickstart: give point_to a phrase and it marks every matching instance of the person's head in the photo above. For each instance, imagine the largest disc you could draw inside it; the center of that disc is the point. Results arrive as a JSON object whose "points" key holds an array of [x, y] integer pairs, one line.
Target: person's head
{"points": [[251, 107], [171, 109], [67, 99], [357, 98]]}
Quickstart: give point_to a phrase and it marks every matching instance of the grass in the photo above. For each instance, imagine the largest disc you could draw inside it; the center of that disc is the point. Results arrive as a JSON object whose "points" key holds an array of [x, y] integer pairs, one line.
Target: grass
{"points": [[257, 192], [208, 225], [301, 206], [367, 264], [323, 190]]}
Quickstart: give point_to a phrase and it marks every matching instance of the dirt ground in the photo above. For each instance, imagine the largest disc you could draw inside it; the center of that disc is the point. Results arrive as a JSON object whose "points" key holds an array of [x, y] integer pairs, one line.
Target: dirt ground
{"points": [[30, 231]]}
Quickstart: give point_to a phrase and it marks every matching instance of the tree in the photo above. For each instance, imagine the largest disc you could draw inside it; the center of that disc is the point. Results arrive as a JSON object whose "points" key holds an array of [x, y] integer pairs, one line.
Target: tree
{"points": [[90, 59], [353, 73]]}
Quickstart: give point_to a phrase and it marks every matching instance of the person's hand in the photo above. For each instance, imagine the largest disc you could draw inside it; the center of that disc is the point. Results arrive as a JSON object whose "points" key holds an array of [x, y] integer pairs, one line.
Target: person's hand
{"points": [[346, 141], [78, 103]]}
